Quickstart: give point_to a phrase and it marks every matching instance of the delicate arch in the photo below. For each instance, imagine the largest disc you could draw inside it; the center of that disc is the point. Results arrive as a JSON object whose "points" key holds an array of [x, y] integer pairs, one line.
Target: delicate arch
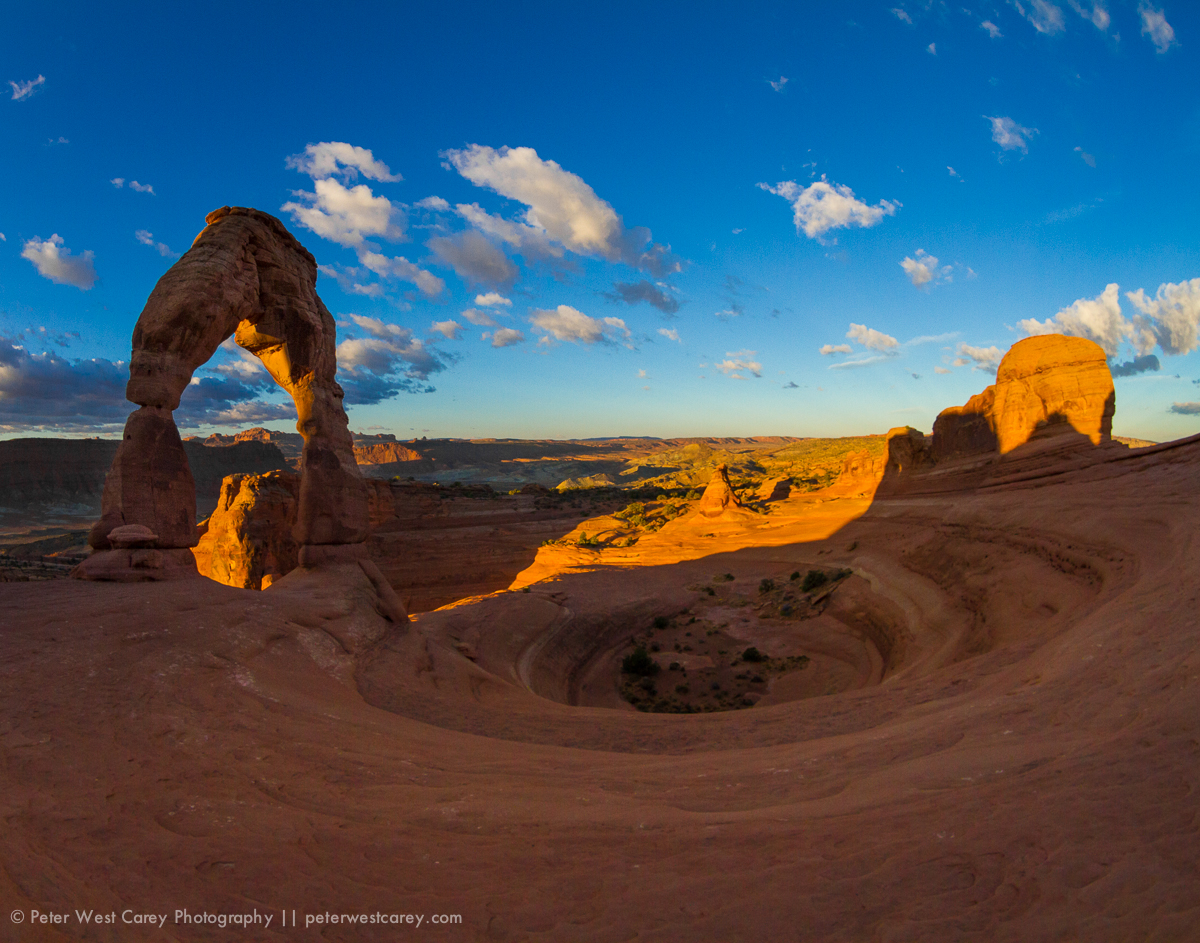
{"points": [[245, 277]]}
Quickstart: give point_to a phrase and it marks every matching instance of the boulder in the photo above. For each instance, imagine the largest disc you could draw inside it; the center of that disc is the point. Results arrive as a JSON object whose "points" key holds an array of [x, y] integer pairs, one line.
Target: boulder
{"points": [[719, 495], [1047, 386], [248, 539]]}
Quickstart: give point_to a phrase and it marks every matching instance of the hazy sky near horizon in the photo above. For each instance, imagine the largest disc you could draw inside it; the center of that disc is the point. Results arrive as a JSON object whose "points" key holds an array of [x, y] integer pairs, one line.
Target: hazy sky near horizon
{"points": [[618, 219]]}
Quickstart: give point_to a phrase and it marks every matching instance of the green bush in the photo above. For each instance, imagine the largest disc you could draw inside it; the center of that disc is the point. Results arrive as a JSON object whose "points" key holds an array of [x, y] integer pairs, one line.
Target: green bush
{"points": [[752, 654], [766, 586], [639, 663], [795, 575], [812, 580], [661, 622]]}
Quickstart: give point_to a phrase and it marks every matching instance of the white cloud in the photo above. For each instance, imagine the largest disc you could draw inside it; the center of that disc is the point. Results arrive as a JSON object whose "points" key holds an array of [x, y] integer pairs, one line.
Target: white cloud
{"points": [[530, 241], [871, 338], [141, 187], [22, 90], [1098, 319], [829, 349], [388, 362], [398, 267], [1046, 17], [346, 278], [492, 299], [434, 203], [506, 337], [482, 318], [345, 216], [57, 264], [642, 375], [931, 49], [1154, 25], [942, 370], [670, 334], [778, 86], [146, 238], [823, 206], [3, 238], [992, 29], [1171, 318], [1087, 158], [448, 329], [923, 270], [475, 258], [333, 158], [562, 205], [118, 182], [902, 15], [1098, 14], [737, 361], [569, 324], [953, 172], [1010, 135], [986, 359]]}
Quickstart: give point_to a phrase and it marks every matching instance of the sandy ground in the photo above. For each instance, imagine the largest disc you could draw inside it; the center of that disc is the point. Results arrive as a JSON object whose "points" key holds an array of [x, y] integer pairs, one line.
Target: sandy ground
{"points": [[1018, 761]]}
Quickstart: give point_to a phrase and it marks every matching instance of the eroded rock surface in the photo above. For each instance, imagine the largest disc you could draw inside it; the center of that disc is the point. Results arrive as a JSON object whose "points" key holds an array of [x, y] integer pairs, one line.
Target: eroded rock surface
{"points": [[719, 496], [1049, 385]]}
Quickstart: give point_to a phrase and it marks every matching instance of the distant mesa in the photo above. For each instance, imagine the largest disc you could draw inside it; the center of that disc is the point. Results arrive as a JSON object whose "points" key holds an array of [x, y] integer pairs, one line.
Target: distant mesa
{"points": [[1047, 386], [384, 453], [586, 481]]}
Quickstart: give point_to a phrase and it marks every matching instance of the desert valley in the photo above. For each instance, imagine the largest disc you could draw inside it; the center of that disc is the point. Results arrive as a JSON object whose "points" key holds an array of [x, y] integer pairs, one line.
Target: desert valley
{"points": [[897, 687]]}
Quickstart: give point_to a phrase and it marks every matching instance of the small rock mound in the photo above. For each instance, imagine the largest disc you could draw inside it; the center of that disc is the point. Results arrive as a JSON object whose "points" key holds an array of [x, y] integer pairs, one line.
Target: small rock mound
{"points": [[719, 496]]}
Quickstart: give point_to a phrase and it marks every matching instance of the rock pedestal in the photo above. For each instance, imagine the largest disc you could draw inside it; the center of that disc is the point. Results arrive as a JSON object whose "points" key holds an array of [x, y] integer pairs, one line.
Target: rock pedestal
{"points": [[719, 496]]}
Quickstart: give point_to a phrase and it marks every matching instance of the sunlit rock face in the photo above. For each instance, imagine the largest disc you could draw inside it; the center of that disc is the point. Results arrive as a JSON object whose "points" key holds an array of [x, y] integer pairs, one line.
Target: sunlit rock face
{"points": [[1049, 385], [245, 277], [719, 496], [248, 539]]}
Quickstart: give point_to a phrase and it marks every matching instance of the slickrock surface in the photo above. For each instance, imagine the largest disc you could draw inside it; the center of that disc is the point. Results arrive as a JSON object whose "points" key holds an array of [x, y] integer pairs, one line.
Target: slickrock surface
{"points": [[1045, 386]]}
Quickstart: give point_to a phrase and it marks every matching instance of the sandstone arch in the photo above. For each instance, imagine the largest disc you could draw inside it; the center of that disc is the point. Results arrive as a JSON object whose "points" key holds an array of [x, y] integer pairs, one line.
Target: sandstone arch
{"points": [[245, 277]]}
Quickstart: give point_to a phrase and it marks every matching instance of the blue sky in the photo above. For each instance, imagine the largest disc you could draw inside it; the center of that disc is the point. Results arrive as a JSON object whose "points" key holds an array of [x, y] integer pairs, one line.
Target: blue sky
{"points": [[739, 219]]}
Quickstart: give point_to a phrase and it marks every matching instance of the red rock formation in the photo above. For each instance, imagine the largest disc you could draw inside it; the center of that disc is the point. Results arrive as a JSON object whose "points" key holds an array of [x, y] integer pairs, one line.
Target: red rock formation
{"points": [[245, 276], [248, 539], [383, 453], [774, 489], [1046, 386], [908, 450], [719, 496]]}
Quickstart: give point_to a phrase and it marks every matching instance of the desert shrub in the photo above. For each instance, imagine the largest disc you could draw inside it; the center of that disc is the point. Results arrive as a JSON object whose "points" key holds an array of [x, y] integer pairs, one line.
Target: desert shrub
{"points": [[795, 575], [752, 654], [682, 689], [812, 580], [675, 666], [710, 591], [843, 573], [661, 622], [766, 585], [586, 541], [639, 662]]}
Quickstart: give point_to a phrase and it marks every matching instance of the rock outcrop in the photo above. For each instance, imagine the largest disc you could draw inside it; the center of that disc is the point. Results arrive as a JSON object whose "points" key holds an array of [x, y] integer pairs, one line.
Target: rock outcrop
{"points": [[719, 496], [774, 489], [248, 539], [908, 450], [248, 278], [1049, 385], [383, 453]]}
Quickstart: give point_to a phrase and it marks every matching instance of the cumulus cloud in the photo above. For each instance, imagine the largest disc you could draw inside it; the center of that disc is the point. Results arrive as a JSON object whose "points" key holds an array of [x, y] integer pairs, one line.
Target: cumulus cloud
{"points": [[1094, 11], [433, 203], [1154, 25], [228, 400], [562, 206], [344, 215], [506, 337], [565, 323], [448, 329], [46, 391], [146, 238], [644, 291], [992, 29], [337, 158], [1046, 17], [1098, 319], [823, 206], [348, 279], [829, 349], [482, 318], [58, 264], [529, 241], [1010, 135], [389, 361], [22, 90], [492, 299], [670, 335], [871, 338], [475, 258], [986, 359], [1186, 409], [737, 361], [1171, 318], [1131, 368], [428, 283], [923, 270]]}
